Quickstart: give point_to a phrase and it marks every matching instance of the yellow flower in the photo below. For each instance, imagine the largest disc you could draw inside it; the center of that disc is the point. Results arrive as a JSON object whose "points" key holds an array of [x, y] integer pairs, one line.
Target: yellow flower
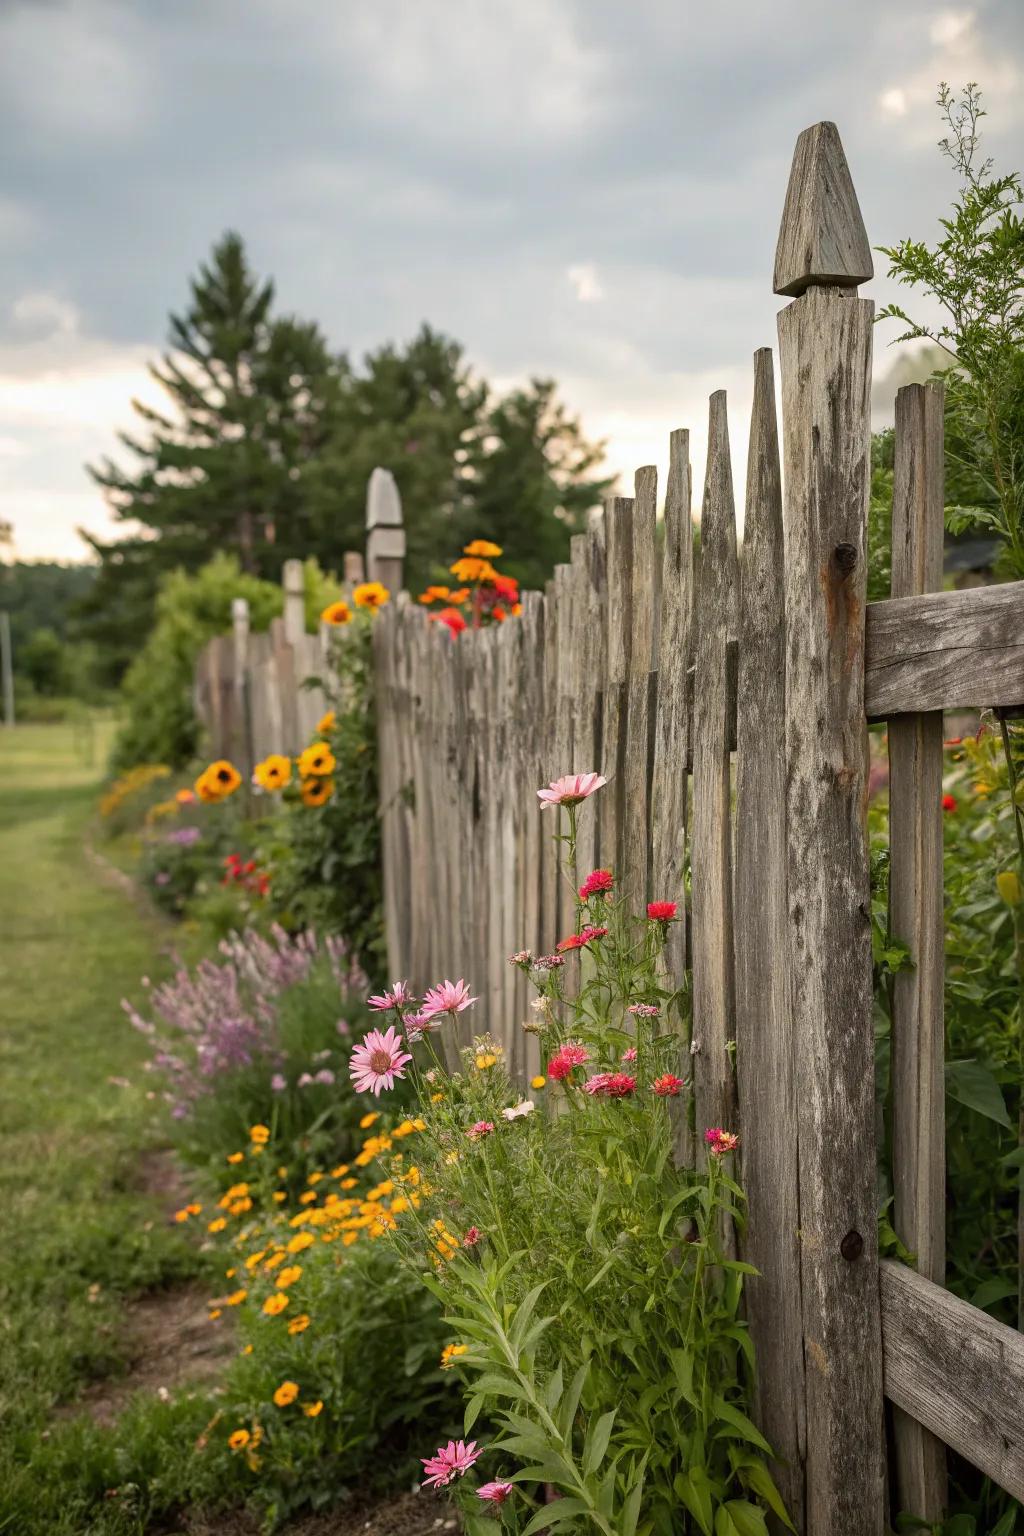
{"points": [[471, 568], [286, 1393], [236, 1298], [450, 1353], [279, 1196], [537, 1082], [337, 613], [299, 1324], [235, 1157], [1008, 886], [254, 1258], [317, 761], [217, 1225], [486, 1061], [299, 1241], [484, 548], [317, 791], [274, 772], [272, 1263], [307, 1197], [213, 1316], [368, 1120], [247, 1350], [349, 1183], [435, 1098], [289, 1276], [259, 1133], [181, 1215], [311, 1410], [371, 594], [350, 1238], [275, 1304], [239, 1439], [433, 595], [398, 1205], [326, 722], [340, 1171], [229, 1274], [218, 781]]}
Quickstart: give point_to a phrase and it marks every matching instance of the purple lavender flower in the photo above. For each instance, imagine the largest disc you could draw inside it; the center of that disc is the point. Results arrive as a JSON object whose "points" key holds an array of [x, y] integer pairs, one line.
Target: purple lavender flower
{"points": [[183, 837]]}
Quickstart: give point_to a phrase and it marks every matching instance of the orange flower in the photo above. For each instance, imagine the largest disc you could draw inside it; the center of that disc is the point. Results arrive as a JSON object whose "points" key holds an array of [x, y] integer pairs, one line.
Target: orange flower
{"points": [[326, 722], [274, 772], [434, 595], [459, 595], [218, 781], [317, 761], [311, 1410], [470, 568], [236, 1298], [286, 1393], [337, 613], [371, 594], [289, 1276], [483, 548], [275, 1304], [185, 796], [317, 791], [299, 1324]]}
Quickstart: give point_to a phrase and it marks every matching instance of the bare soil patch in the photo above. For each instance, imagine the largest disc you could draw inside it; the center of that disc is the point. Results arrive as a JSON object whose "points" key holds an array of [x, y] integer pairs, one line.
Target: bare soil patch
{"points": [[405, 1514]]}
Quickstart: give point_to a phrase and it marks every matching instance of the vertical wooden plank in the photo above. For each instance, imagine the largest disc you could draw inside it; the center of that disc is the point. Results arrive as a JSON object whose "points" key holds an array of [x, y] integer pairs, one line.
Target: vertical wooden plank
{"points": [[562, 729], [916, 918], [825, 354], [240, 669], [618, 636], [636, 824], [385, 533], [294, 602], [711, 849], [672, 726], [765, 1058], [550, 878]]}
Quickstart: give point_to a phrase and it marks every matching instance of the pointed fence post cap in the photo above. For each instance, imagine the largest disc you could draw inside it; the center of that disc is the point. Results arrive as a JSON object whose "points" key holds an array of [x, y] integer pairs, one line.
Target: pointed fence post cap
{"points": [[383, 503], [822, 239]]}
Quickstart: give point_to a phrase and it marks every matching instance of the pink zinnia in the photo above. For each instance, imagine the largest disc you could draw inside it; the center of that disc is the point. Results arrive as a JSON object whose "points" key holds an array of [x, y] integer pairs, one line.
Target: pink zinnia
{"points": [[598, 883], [447, 997], [611, 1085], [564, 1059], [668, 1086], [662, 911], [643, 1010], [449, 1461], [629, 1055], [480, 1129], [720, 1141], [398, 997], [496, 1492], [570, 789], [472, 1237], [378, 1060], [582, 939]]}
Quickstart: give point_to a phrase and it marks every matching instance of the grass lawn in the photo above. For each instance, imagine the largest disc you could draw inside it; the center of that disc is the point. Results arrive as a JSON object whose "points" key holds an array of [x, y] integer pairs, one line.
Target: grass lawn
{"points": [[79, 1233]]}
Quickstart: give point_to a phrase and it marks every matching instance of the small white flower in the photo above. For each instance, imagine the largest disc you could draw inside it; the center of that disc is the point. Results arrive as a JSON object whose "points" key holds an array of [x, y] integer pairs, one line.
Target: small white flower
{"points": [[524, 1107], [694, 1047]]}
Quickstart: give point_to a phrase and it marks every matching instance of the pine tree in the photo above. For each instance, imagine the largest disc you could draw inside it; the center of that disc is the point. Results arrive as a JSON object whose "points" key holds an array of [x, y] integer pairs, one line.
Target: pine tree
{"points": [[252, 401]]}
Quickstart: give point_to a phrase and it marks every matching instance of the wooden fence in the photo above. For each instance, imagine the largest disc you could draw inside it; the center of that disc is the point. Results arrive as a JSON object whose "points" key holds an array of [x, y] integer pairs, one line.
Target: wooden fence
{"points": [[728, 700], [728, 704]]}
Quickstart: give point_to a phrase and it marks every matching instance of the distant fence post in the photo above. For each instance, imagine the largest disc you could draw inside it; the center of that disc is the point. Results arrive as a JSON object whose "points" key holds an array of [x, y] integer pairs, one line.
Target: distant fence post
{"points": [[385, 535], [294, 602], [240, 678], [825, 354], [353, 569]]}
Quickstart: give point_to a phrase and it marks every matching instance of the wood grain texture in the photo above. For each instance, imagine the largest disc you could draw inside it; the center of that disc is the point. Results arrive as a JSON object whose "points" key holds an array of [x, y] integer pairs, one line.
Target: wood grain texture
{"points": [[822, 238], [765, 1050], [956, 1371], [711, 847], [618, 516], [825, 353], [635, 827], [945, 650], [916, 919], [672, 723]]}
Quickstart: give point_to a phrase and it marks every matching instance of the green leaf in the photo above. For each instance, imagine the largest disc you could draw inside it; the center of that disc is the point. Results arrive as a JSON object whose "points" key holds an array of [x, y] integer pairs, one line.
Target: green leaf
{"points": [[556, 1513], [745, 1519], [596, 1443], [972, 1084], [571, 1401], [739, 1421], [631, 1503], [760, 1481], [992, 1290], [695, 1491], [473, 1407]]}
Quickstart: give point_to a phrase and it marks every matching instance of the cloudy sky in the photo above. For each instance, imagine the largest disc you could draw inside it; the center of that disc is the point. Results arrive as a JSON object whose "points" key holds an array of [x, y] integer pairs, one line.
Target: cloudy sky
{"points": [[584, 188]]}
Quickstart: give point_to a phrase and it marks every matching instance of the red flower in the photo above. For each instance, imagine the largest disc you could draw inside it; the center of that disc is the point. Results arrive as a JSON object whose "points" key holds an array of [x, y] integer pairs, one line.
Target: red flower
{"points": [[451, 618], [720, 1141], [506, 587], [668, 1087], [563, 1061], [949, 803], [662, 911], [596, 884], [611, 1085]]}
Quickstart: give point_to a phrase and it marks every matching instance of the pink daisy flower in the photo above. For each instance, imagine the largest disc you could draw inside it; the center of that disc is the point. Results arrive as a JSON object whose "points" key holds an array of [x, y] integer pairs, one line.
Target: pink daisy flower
{"points": [[719, 1142], [570, 789], [610, 1085], [668, 1086], [480, 1129], [448, 1462], [378, 1060], [399, 997], [447, 997], [496, 1492]]}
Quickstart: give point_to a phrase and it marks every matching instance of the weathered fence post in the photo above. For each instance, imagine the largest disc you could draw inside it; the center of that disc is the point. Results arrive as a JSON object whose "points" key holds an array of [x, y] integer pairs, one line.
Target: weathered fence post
{"points": [[240, 678], [825, 350], [385, 536], [294, 602], [916, 918], [353, 570]]}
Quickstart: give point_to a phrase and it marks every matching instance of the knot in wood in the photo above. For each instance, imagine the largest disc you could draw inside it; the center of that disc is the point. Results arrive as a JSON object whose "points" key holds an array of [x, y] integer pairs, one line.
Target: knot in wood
{"points": [[845, 557], [851, 1247]]}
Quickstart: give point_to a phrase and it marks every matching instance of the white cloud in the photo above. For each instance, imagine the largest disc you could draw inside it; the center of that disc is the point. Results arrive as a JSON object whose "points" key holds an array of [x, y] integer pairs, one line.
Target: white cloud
{"points": [[69, 71], [585, 281], [951, 28], [894, 102]]}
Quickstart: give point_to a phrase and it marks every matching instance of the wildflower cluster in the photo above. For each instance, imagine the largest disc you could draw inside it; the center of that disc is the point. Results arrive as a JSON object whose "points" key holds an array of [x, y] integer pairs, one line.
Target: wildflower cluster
{"points": [[582, 1269], [242, 872], [483, 595]]}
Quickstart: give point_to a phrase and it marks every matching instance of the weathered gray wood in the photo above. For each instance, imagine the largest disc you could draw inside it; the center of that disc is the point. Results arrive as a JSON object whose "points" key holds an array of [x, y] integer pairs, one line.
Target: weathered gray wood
{"points": [[825, 351], [293, 583], [635, 826], [385, 535], [711, 847], [916, 918], [945, 650], [765, 1050], [672, 723], [618, 540], [956, 1371], [822, 238]]}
